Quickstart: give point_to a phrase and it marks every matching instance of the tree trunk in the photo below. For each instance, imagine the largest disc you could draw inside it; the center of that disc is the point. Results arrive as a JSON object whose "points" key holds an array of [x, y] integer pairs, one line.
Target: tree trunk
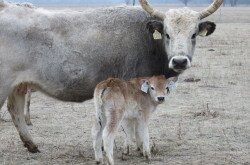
{"points": [[233, 3], [127, 2]]}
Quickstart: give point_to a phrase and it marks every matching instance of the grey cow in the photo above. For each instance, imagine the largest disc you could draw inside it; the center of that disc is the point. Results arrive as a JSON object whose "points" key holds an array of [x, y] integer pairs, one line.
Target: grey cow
{"points": [[64, 54]]}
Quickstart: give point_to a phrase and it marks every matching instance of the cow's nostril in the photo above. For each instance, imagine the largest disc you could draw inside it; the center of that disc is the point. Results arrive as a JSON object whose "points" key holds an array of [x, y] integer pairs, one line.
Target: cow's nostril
{"points": [[184, 62], [175, 62], [160, 98]]}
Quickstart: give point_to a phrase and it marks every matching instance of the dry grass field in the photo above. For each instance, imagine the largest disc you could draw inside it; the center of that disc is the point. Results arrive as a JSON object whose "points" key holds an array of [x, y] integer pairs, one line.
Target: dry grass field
{"points": [[206, 121]]}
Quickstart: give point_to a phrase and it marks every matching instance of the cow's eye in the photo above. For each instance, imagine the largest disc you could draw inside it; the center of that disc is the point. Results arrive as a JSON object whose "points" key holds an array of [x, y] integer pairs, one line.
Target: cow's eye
{"points": [[152, 88], [168, 37], [168, 91], [194, 36]]}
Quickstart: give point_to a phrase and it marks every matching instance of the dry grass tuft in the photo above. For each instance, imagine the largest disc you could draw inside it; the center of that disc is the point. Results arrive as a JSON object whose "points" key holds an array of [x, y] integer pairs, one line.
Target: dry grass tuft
{"points": [[207, 113], [154, 149], [192, 80]]}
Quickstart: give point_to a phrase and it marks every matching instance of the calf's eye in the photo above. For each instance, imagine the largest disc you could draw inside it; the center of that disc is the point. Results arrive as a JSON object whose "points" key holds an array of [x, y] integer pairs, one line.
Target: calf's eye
{"points": [[152, 88], [168, 91]]}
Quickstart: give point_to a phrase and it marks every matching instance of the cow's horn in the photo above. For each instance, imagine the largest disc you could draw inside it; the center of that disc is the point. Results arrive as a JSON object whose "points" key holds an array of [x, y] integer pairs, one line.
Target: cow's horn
{"points": [[211, 9], [150, 10]]}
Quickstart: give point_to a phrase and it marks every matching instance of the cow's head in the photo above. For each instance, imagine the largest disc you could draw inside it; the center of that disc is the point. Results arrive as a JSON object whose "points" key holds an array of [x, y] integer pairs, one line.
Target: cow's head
{"points": [[179, 29]]}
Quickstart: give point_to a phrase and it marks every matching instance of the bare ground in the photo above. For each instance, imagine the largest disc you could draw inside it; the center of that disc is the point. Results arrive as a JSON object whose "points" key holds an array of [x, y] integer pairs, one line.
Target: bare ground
{"points": [[206, 121]]}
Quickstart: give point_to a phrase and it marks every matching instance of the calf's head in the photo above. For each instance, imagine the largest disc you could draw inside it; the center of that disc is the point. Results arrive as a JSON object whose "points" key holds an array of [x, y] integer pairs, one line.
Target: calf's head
{"points": [[179, 29], [158, 87]]}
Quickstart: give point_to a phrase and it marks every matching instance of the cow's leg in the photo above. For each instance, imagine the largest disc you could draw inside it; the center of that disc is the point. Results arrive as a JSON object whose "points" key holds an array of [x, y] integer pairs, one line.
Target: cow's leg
{"points": [[97, 130], [27, 100], [16, 108], [113, 121], [142, 138], [4, 92], [128, 130], [2, 100]]}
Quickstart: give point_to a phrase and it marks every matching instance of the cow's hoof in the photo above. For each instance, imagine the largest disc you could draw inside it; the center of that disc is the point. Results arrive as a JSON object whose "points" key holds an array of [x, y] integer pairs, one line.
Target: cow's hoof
{"points": [[29, 123], [32, 149]]}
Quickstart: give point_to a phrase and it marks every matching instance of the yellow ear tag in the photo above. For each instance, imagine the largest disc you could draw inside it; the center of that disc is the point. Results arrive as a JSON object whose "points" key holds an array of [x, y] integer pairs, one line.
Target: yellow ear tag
{"points": [[157, 35], [203, 33]]}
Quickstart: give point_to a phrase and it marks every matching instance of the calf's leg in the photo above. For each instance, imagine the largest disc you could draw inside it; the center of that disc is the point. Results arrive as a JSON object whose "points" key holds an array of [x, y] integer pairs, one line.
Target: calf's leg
{"points": [[97, 130], [114, 118], [128, 130], [142, 138], [139, 140]]}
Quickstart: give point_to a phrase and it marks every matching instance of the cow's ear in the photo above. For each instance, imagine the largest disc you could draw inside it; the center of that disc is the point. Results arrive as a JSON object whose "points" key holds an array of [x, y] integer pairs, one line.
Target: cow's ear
{"points": [[206, 28], [155, 25]]}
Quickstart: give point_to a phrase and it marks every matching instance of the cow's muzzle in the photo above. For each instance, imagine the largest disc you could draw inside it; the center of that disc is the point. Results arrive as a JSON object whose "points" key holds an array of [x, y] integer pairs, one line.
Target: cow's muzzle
{"points": [[179, 63]]}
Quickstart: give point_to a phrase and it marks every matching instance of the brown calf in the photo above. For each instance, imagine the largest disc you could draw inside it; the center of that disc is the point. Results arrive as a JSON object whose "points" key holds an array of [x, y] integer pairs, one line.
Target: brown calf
{"points": [[128, 104]]}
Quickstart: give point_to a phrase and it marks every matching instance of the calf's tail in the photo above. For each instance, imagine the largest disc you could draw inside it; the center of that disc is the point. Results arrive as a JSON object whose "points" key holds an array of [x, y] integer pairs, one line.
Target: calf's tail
{"points": [[99, 106]]}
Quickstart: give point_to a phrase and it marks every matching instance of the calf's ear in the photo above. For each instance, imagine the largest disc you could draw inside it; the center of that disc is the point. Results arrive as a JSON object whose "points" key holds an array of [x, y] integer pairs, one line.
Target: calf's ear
{"points": [[144, 85], [173, 79], [206, 28], [155, 25], [172, 83]]}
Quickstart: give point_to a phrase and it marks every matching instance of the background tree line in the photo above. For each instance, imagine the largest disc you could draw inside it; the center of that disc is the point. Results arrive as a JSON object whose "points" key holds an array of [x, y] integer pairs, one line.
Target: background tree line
{"points": [[130, 2], [230, 2]]}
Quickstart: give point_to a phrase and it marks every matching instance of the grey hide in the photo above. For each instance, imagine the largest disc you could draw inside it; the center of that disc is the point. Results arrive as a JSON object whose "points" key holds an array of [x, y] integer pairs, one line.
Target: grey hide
{"points": [[66, 53]]}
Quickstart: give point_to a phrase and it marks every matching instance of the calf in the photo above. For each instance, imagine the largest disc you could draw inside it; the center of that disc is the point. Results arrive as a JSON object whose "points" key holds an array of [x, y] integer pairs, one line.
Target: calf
{"points": [[128, 104]]}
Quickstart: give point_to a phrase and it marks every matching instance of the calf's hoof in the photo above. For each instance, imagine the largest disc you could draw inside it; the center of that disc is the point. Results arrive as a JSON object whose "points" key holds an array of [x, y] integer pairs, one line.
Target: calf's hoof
{"points": [[100, 161], [139, 150], [148, 158], [124, 156]]}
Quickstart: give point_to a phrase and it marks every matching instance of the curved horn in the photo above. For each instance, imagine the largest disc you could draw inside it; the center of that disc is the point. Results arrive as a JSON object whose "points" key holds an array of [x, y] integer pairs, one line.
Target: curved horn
{"points": [[211, 9], [150, 10]]}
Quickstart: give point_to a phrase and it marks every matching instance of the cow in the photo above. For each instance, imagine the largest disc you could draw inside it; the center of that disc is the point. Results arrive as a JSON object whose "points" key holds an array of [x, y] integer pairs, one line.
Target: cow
{"points": [[64, 54], [128, 104]]}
